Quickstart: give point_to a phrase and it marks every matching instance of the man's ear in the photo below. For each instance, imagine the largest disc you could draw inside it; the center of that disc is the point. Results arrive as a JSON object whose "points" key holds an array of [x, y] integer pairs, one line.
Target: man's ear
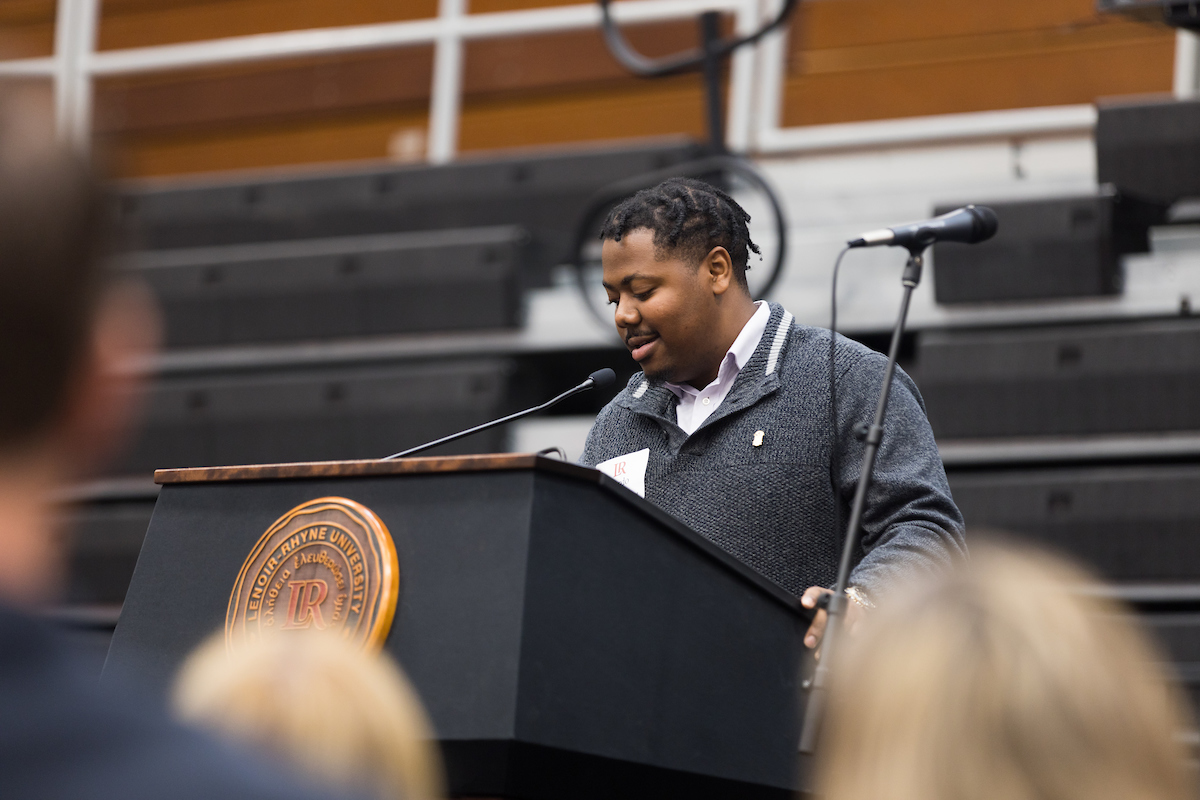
{"points": [[719, 267], [106, 395]]}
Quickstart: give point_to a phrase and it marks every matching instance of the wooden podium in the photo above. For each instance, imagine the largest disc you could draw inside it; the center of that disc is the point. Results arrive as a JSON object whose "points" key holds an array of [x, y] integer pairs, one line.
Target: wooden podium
{"points": [[569, 639]]}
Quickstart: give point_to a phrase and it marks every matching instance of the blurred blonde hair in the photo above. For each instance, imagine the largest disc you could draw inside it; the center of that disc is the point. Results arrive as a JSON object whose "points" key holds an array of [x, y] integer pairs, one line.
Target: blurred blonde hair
{"points": [[345, 717], [1004, 681]]}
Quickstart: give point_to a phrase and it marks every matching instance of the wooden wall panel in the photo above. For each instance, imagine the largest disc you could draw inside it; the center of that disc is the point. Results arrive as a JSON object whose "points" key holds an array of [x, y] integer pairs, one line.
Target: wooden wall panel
{"points": [[252, 93], [664, 107], [138, 23], [856, 60], [518, 91], [26, 28], [1041, 79], [848, 23], [578, 58], [211, 98], [563, 88], [491, 6], [330, 139]]}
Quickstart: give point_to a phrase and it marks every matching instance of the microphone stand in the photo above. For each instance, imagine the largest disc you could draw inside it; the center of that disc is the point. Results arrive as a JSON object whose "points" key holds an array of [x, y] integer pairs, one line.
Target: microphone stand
{"points": [[597, 378], [837, 602]]}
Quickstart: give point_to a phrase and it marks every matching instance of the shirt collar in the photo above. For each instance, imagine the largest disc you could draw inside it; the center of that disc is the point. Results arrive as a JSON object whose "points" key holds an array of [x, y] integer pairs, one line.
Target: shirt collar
{"points": [[738, 354]]}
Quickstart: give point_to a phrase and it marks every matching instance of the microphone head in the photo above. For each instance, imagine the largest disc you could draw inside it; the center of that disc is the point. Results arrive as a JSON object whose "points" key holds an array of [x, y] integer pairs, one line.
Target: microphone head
{"points": [[602, 377], [984, 224]]}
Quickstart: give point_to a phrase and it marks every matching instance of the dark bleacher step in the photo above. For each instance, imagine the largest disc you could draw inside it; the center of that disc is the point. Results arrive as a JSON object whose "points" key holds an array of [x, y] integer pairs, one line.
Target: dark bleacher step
{"points": [[1047, 248], [1150, 146], [1123, 377], [545, 193], [87, 630], [1127, 506], [104, 523], [316, 413], [966, 455], [340, 287]]}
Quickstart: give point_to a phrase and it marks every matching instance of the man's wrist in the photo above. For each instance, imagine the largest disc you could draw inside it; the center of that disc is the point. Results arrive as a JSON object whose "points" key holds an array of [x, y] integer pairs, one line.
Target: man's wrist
{"points": [[859, 597]]}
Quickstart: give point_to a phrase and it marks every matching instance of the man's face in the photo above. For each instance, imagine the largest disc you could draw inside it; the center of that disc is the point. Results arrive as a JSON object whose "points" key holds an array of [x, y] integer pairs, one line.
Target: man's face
{"points": [[665, 310]]}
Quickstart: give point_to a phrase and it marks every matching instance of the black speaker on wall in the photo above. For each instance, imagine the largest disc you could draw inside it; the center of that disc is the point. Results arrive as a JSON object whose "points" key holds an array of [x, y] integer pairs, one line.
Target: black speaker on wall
{"points": [[1047, 248]]}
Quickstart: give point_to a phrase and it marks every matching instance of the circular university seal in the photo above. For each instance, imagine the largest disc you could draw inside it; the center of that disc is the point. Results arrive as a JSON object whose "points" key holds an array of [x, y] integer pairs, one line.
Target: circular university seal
{"points": [[328, 564]]}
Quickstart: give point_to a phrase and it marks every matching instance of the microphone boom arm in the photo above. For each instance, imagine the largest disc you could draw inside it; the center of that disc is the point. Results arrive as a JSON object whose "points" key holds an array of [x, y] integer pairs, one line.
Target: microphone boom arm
{"points": [[596, 378]]}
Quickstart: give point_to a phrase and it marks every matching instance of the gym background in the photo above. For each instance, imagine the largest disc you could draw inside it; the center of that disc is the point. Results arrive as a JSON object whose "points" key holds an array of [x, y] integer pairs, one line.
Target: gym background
{"points": [[359, 219]]}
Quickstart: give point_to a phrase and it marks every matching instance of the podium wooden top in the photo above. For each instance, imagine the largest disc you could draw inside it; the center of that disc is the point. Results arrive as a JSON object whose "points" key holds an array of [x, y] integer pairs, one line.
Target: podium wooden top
{"points": [[373, 467]]}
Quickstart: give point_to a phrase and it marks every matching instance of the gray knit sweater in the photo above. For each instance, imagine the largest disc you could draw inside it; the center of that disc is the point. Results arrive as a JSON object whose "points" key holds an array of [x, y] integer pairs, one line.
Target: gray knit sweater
{"points": [[772, 506]]}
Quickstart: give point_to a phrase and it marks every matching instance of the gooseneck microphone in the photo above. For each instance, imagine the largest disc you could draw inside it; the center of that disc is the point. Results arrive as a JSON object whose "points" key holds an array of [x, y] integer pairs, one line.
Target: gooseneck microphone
{"points": [[597, 380], [969, 225]]}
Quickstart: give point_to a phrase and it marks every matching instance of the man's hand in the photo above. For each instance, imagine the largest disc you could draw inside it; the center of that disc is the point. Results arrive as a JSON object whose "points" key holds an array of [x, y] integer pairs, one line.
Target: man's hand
{"points": [[816, 630]]}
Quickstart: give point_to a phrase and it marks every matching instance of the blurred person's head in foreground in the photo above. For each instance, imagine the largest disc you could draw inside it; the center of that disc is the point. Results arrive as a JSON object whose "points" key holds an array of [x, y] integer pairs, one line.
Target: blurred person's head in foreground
{"points": [[1004, 680], [321, 708], [67, 335]]}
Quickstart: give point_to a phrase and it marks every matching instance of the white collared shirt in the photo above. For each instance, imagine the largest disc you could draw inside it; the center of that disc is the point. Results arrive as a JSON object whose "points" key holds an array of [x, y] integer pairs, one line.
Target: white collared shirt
{"points": [[697, 405]]}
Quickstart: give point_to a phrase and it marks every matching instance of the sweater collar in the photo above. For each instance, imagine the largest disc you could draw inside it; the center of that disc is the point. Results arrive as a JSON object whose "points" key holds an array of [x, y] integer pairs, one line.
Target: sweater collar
{"points": [[759, 377]]}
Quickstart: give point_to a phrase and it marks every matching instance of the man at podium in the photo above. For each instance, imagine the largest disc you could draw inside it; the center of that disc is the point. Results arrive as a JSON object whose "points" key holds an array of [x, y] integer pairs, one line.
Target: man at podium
{"points": [[727, 426]]}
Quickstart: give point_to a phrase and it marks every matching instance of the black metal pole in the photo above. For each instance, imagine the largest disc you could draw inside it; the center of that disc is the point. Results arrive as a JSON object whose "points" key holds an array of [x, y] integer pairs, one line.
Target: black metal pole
{"points": [[710, 41], [815, 711]]}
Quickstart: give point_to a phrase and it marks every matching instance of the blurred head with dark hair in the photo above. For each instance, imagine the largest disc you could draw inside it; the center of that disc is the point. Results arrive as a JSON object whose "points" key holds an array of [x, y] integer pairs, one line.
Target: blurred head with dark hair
{"points": [[68, 334], [51, 240]]}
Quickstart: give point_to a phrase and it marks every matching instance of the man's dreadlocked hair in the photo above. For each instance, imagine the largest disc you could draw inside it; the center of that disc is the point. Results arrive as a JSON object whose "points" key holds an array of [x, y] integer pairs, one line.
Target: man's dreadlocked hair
{"points": [[688, 217]]}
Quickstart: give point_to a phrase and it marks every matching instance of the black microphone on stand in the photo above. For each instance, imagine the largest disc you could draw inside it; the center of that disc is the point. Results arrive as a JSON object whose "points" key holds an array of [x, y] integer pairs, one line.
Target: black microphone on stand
{"points": [[969, 225], [597, 380]]}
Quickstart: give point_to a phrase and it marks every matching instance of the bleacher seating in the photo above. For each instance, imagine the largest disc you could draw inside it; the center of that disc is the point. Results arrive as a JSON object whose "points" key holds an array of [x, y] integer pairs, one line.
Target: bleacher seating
{"points": [[318, 413], [1129, 505], [105, 522], [340, 287], [1047, 248], [1148, 147], [1085, 437], [1086, 379], [544, 193]]}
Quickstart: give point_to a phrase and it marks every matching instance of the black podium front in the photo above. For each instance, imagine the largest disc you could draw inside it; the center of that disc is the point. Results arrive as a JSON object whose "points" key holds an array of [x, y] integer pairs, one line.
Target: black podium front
{"points": [[569, 639]]}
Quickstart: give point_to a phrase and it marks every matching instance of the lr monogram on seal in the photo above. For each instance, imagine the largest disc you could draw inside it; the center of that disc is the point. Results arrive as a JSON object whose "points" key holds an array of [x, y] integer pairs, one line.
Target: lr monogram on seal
{"points": [[304, 605], [328, 564]]}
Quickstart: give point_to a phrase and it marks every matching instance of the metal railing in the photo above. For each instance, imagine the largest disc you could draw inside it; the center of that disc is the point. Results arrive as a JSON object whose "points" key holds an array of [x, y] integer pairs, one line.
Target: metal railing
{"points": [[755, 86]]}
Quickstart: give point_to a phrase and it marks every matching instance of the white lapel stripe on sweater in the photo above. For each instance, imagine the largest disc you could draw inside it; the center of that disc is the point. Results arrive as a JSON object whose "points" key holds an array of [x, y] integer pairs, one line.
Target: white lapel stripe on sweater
{"points": [[781, 332], [641, 390]]}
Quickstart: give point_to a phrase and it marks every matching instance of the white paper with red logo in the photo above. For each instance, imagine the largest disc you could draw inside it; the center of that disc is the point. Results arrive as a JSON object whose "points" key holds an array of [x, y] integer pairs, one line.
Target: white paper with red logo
{"points": [[628, 470]]}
